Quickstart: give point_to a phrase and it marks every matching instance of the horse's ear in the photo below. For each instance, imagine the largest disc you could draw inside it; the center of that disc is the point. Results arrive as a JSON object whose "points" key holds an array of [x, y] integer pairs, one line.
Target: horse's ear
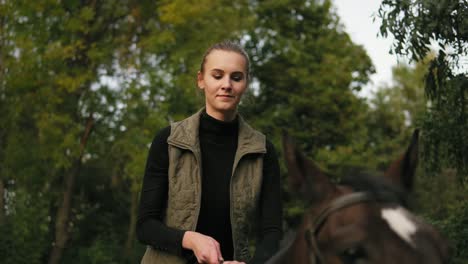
{"points": [[304, 176], [401, 171]]}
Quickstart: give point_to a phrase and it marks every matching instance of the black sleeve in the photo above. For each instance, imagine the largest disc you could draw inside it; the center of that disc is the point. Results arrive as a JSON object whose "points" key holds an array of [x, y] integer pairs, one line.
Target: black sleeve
{"points": [[150, 229], [271, 213]]}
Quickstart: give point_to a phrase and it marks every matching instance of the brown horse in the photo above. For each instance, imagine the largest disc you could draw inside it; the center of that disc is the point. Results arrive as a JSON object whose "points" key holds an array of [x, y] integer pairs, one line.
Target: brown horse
{"points": [[363, 219]]}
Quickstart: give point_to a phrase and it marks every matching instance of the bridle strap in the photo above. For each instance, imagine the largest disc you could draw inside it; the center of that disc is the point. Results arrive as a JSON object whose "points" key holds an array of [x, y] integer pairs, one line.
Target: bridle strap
{"points": [[335, 205]]}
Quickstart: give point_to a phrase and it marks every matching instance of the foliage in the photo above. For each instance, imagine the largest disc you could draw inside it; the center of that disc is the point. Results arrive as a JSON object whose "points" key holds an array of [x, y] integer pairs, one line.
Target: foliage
{"points": [[414, 24], [25, 235], [455, 226], [446, 127], [448, 210], [306, 69], [53, 58], [395, 110]]}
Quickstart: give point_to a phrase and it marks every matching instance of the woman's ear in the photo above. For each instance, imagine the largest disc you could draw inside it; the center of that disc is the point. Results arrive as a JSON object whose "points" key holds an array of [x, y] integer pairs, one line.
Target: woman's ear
{"points": [[200, 81]]}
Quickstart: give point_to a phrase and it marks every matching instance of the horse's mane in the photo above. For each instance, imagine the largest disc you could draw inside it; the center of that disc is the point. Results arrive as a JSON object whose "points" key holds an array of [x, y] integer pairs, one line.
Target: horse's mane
{"points": [[375, 184]]}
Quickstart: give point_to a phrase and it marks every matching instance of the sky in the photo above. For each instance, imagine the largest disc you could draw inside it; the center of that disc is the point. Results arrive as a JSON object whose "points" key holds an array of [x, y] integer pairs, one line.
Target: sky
{"points": [[357, 17]]}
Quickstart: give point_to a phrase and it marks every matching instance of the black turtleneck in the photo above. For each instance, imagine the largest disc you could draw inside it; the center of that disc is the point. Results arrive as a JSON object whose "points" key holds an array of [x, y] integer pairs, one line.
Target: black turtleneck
{"points": [[218, 143]]}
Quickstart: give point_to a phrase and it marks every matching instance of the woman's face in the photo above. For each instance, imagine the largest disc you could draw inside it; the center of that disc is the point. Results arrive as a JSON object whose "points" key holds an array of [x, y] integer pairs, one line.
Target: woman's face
{"points": [[224, 80]]}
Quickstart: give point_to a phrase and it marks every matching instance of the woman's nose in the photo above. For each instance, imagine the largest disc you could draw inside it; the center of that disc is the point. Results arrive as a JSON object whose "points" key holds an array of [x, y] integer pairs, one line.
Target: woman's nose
{"points": [[227, 84]]}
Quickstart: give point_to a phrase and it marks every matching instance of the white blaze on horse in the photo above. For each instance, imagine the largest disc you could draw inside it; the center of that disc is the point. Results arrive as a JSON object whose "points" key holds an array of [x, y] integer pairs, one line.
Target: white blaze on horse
{"points": [[363, 219]]}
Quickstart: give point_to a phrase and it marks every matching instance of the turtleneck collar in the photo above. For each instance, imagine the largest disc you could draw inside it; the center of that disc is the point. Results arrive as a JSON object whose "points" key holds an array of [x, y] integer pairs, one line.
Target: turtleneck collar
{"points": [[209, 124]]}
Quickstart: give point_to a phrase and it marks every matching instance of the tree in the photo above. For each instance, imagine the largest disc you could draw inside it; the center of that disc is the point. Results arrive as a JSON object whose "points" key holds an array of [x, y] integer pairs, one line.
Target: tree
{"points": [[394, 111], [414, 24], [54, 53], [306, 70]]}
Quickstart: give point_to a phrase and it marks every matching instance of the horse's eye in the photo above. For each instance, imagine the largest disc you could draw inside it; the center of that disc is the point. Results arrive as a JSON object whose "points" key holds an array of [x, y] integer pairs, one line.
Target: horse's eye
{"points": [[354, 255]]}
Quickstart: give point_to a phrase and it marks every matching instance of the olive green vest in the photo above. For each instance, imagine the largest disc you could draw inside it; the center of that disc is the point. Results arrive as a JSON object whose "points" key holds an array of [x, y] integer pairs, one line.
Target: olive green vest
{"points": [[184, 193]]}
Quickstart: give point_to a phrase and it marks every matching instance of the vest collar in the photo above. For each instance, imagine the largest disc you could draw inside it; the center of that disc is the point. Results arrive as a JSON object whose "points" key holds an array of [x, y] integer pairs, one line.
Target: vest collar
{"points": [[184, 134]]}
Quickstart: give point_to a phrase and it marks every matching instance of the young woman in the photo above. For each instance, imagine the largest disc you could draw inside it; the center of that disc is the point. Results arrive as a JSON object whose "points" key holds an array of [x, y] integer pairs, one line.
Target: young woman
{"points": [[212, 182]]}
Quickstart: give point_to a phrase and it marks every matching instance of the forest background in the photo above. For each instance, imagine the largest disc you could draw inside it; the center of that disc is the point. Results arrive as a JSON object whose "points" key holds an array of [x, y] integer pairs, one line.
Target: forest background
{"points": [[85, 86]]}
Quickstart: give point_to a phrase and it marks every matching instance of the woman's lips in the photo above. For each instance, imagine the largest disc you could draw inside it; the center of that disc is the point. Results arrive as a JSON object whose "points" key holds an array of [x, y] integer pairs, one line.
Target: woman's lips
{"points": [[225, 96]]}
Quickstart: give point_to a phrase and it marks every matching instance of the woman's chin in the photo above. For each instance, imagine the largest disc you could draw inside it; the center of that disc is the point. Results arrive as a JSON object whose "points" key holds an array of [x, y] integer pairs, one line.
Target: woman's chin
{"points": [[225, 107]]}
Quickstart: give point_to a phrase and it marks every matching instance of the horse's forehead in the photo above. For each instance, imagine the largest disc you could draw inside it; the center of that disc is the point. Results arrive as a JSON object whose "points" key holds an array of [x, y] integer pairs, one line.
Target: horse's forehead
{"points": [[401, 221]]}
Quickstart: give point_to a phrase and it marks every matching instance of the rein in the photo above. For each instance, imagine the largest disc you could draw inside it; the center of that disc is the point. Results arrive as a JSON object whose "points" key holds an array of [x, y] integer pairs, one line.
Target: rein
{"points": [[316, 256]]}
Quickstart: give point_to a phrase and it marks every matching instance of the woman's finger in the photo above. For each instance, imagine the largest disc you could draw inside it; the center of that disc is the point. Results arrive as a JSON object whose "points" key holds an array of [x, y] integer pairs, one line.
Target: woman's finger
{"points": [[218, 251]]}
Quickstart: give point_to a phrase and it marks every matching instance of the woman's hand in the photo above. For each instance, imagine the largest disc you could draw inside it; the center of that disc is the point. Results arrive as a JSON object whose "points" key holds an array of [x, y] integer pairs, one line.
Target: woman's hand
{"points": [[205, 248]]}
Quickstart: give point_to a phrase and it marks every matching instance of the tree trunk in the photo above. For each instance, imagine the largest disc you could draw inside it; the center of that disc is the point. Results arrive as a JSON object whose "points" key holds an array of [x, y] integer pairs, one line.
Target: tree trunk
{"points": [[63, 214], [132, 224], [2, 202], [62, 232]]}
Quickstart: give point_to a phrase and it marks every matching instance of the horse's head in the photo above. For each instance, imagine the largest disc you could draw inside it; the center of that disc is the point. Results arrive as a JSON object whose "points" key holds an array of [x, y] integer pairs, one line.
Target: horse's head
{"points": [[363, 219]]}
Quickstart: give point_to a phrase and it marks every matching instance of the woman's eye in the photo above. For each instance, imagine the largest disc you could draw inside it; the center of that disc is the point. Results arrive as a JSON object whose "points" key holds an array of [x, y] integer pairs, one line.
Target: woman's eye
{"points": [[217, 77], [237, 78]]}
